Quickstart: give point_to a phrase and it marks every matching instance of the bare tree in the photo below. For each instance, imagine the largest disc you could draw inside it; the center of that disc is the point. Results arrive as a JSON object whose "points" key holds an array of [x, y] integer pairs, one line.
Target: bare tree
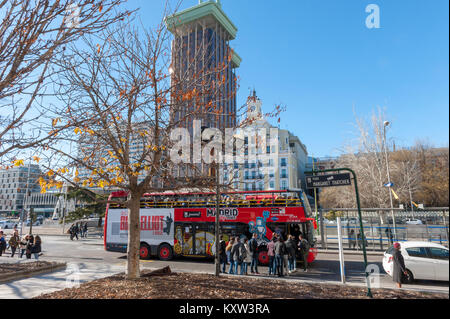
{"points": [[368, 161], [120, 97], [33, 34]]}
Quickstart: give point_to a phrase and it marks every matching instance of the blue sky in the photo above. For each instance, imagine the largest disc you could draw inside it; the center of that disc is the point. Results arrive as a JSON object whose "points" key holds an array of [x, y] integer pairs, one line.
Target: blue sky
{"points": [[320, 60]]}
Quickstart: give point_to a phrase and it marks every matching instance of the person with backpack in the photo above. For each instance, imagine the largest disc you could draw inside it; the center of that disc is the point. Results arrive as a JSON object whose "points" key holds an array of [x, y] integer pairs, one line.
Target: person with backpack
{"points": [[279, 249], [247, 259], [222, 254], [304, 251], [290, 247], [236, 253], [253, 246]]}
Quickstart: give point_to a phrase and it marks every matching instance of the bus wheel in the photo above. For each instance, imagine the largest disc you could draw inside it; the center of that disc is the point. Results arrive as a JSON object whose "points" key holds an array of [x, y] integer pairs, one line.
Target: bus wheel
{"points": [[165, 252], [263, 258], [144, 251]]}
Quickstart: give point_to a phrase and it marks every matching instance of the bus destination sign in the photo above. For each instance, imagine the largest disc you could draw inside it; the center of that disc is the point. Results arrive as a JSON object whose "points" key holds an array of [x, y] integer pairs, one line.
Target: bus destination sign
{"points": [[328, 180]]}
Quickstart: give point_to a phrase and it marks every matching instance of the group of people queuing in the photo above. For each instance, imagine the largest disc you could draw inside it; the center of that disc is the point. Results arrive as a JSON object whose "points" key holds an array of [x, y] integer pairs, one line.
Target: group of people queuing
{"points": [[242, 254], [283, 254], [78, 229], [28, 245]]}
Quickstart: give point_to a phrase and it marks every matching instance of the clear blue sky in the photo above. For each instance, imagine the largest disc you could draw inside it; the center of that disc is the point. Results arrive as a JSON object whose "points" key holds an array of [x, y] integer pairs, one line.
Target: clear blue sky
{"points": [[320, 60]]}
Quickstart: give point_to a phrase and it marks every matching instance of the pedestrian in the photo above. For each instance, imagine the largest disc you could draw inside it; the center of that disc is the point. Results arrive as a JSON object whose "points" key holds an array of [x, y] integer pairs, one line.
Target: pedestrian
{"points": [[292, 258], [286, 259], [279, 249], [36, 248], [247, 259], [236, 252], [228, 251], [23, 245], [389, 235], [360, 241], [304, 251], [222, 253], [271, 255], [30, 243], [14, 242], [253, 246], [399, 268], [75, 231], [85, 230], [351, 240], [2, 242]]}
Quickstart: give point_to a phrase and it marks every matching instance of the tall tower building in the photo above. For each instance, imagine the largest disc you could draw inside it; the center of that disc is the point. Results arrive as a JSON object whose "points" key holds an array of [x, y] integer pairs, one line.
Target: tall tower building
{"points": [[203, 61]]}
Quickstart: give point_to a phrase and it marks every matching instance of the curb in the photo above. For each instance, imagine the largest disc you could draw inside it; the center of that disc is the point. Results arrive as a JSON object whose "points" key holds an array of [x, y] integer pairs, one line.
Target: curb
{"points": [[31, 273], [350, 252], [313, 281]]}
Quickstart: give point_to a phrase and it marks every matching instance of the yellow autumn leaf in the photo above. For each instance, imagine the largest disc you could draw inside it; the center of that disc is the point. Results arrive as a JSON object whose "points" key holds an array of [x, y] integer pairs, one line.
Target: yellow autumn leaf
{"points": [[55, 121], [77, 130], [50, 173], [36, 159], [18, 163]]}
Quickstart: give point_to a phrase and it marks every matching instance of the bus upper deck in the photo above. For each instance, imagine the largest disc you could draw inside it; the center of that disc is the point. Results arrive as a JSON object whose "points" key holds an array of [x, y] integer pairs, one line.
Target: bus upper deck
{"points": [[208, 200]]}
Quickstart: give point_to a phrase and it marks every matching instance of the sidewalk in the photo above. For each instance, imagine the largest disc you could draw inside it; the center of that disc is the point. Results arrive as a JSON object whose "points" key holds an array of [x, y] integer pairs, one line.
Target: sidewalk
{"points": [[46, 283], [35, 286]]}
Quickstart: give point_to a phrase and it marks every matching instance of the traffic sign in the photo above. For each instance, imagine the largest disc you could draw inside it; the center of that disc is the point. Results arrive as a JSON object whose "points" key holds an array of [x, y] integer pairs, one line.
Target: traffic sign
{"points": [[328, 180]]}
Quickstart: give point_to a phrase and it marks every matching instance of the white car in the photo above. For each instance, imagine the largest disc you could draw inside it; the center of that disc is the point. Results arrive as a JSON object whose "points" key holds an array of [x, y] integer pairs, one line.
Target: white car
{"points": [[423, 260], [414, 222], [7, 224]]}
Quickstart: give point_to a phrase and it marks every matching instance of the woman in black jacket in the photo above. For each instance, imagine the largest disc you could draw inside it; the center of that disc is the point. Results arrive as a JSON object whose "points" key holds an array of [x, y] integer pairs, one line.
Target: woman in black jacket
{"points": [[399, 266], [36, 248]]}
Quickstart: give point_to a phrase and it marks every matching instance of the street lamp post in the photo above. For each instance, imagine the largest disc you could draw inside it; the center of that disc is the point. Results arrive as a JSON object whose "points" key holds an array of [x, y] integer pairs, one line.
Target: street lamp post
{"points": [[385, 124]]}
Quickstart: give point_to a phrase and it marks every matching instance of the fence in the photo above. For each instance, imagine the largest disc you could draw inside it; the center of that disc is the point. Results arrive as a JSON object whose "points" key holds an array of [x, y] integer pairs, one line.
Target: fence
{"points": [[429, 225]]}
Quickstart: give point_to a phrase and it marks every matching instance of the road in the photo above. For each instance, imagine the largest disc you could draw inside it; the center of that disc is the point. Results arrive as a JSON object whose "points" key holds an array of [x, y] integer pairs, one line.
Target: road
{"points": [[91, 261]]}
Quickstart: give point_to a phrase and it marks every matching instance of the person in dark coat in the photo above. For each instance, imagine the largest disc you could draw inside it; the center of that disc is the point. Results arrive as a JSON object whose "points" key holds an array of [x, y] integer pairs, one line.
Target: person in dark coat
{"points": [[36, 247], [29, 246], [279, 248], [253, 245], [399, 268], [222, 254]]}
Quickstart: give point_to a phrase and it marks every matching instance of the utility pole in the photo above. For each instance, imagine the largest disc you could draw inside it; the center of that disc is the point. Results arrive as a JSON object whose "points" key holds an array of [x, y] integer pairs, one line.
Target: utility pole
{"points": [[386, 123], [217, 257], [64, 210]]}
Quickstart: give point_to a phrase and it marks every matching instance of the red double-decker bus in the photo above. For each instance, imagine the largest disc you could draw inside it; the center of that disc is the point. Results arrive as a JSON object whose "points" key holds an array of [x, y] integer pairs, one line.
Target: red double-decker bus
{"points": [[183, 224]]}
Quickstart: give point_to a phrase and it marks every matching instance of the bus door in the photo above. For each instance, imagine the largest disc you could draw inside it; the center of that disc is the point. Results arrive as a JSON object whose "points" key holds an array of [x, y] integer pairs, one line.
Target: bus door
{"points": [[194, 239], [188, 245]]}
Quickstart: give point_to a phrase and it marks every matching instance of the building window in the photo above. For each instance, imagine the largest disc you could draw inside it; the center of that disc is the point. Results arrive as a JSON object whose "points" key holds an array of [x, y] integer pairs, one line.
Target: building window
{"points": [[283, 162], [272, 184], [284, 173], [283, 185]]}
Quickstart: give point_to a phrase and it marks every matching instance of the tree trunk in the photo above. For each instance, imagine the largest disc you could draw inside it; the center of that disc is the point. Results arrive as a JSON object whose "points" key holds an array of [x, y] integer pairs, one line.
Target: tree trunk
{"points": [[134, 238]]}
